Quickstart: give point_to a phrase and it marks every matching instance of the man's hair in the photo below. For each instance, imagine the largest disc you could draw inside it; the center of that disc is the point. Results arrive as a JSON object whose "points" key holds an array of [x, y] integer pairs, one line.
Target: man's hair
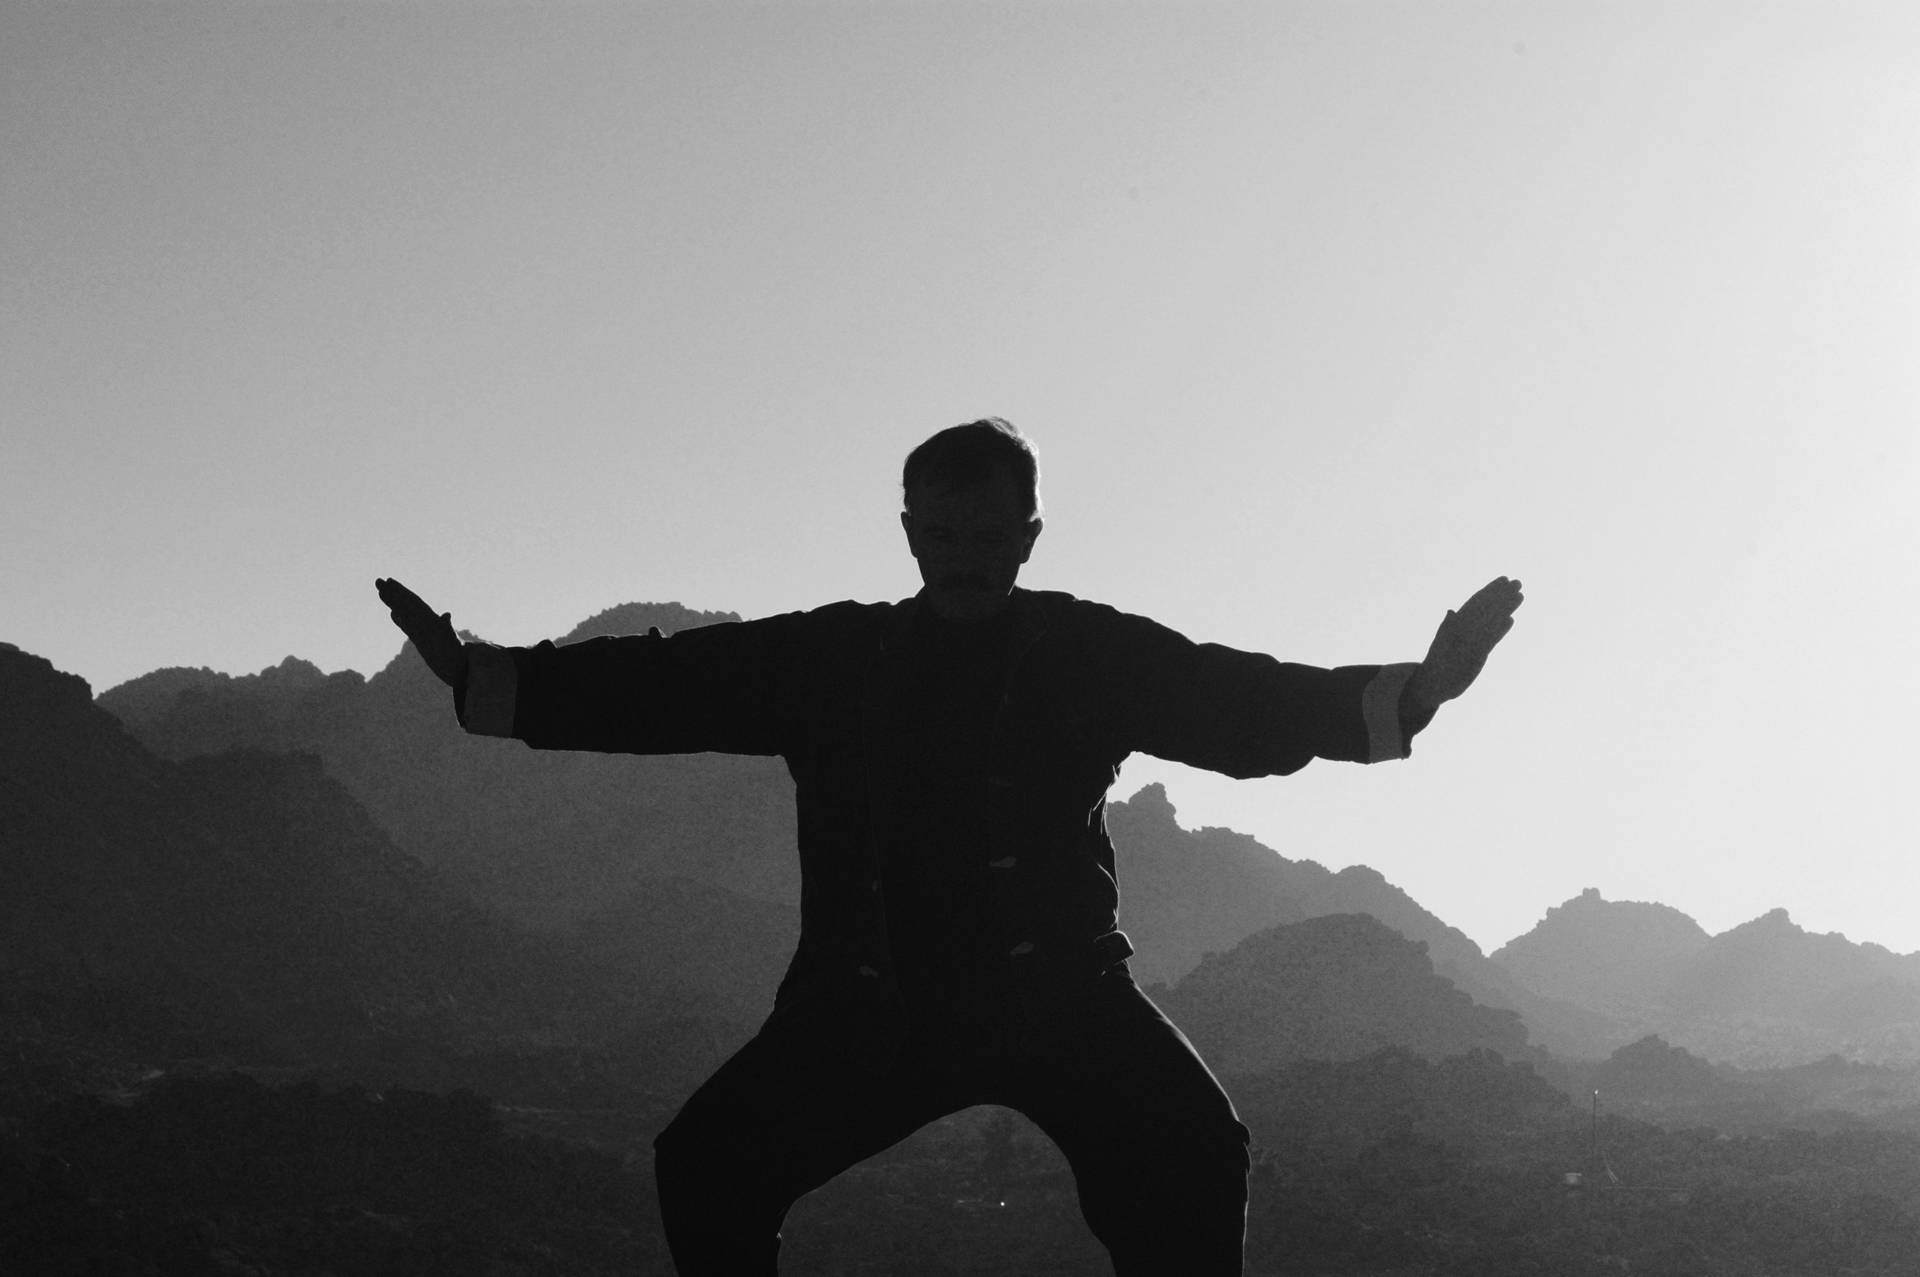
{"points": [[966, 455]]}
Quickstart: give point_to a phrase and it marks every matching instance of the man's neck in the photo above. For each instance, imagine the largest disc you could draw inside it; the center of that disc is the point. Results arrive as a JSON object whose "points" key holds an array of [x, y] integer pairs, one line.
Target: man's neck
{"points": [[931, 608]]}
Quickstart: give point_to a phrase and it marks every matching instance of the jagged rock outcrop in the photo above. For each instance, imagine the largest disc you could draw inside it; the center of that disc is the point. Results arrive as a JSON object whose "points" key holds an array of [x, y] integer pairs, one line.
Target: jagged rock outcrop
{"points": [[1185, 893]]}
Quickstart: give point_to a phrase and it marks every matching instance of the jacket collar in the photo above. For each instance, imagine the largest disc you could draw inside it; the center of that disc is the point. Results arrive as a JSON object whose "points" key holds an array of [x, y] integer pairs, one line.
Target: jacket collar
{"points": [[1027, 612]]}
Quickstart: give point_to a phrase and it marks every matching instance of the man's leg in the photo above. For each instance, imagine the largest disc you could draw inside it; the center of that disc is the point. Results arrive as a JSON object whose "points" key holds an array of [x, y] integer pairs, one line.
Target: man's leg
{"points": [[775, 1122], [1156, 1149]]}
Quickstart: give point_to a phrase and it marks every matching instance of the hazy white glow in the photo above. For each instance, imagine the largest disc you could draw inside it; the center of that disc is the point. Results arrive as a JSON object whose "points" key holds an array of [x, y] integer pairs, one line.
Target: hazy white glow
{"points": [[1321, 315]]}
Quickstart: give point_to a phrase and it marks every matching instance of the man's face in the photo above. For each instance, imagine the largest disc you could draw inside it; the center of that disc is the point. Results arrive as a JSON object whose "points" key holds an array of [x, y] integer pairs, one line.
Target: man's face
{"points": [[970, 542]]}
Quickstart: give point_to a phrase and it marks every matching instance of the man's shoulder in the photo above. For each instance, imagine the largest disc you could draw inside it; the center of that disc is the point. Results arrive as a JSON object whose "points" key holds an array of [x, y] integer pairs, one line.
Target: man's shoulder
{"points": [[1068, 611], [846, 619], [845, 612], [854, 612]]}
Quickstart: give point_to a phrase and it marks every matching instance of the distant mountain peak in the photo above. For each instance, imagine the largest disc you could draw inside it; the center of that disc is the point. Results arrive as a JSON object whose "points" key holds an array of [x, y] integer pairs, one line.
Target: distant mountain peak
{"points": [[1773, 928], [1590, 907], [51, 731], [1333, 987], [1187, 892], [1603, 954], [1363, 874], [28, 674], [292, 669], [638, 618]]}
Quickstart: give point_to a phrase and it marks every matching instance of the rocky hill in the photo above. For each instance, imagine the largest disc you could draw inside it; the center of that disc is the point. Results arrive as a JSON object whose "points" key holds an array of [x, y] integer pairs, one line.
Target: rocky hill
{"points": [[235, 904], [1765, 994], [1614, 956], [1336, 987], [1187, 893]]}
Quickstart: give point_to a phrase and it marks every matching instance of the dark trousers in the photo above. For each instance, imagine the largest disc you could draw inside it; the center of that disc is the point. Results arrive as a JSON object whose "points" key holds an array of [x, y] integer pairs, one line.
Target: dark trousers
{"points": [[1157, 1153]]}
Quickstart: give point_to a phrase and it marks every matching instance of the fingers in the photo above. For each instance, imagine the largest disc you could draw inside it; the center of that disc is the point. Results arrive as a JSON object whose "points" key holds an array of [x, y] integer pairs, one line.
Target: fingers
{"points": [[1501, 588], [1482, 621], [1483, 628], [410, 613], [1466, 636], [394, 594], [1500, 597], [407, 607]]}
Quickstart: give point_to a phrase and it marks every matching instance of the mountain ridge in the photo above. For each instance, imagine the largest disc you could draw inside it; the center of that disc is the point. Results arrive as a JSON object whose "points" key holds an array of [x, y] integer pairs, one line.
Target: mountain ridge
{"points": [[1765, 993], [1332, 987], [550, 839]]}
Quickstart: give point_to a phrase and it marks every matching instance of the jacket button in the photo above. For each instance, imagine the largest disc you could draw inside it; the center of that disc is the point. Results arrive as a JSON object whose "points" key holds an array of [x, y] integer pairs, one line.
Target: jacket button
{"points": [[869, 972], [1022, 949], [1005, 862]]}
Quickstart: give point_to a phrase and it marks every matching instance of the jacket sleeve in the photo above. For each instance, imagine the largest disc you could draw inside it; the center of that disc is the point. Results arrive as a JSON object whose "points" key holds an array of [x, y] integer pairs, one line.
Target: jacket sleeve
{"points": [[729, 688], [1246, 714]]}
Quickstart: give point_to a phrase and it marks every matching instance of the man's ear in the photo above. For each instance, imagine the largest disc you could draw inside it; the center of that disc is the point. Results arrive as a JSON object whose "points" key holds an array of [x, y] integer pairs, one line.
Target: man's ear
{"points": [[1034, 527], [906, 526]]}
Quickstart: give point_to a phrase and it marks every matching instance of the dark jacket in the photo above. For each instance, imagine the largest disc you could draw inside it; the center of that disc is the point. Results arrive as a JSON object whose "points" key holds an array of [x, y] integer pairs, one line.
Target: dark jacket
{"points": [[1085, 686]]}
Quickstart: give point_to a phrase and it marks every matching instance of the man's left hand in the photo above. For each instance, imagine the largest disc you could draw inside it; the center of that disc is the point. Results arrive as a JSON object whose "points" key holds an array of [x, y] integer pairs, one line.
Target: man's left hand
{"points": [[1464, 639]]}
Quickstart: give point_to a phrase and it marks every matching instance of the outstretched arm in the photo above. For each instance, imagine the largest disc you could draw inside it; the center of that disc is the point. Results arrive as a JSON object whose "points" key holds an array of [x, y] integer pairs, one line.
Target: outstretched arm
{"points": [[728, 688], [1462, 643], [432, 633], [1245, 714]]}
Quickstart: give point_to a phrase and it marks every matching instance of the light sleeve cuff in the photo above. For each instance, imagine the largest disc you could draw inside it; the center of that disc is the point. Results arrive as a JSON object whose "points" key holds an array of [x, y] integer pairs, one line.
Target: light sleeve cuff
{"points": [[493, 683], [1380, 707]]}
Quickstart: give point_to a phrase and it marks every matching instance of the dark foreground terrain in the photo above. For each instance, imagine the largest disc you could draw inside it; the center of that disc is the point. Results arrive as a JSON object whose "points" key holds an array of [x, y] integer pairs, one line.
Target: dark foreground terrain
{"points": [[1388, 1164]]}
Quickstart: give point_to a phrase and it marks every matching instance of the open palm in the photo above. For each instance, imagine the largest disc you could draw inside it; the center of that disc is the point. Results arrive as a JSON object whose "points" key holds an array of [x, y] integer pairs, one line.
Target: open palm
{"points": [[1461, 644], [431, 633]]}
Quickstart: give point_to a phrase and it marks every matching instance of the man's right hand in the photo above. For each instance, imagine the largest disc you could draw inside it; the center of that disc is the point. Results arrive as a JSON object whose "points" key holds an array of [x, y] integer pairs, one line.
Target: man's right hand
{"points": [[1461, 644], [431, 633]]}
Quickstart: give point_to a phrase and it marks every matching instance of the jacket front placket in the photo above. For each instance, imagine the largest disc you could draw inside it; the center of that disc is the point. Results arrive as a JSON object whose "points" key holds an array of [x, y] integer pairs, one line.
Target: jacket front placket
{"points": [[1009, 853], [882, 701]]}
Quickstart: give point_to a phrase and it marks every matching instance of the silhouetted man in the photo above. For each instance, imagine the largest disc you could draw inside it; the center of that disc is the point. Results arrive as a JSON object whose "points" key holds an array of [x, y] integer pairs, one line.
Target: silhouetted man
{"points": [[951, 755]]}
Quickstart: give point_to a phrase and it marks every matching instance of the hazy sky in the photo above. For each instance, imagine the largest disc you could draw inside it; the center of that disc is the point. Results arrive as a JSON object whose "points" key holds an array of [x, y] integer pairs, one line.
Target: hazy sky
{"points": [[1320, 314]]}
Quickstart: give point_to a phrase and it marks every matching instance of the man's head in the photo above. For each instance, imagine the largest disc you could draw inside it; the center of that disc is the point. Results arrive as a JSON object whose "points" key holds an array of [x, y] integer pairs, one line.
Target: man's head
{"points": [[972, 496]]}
